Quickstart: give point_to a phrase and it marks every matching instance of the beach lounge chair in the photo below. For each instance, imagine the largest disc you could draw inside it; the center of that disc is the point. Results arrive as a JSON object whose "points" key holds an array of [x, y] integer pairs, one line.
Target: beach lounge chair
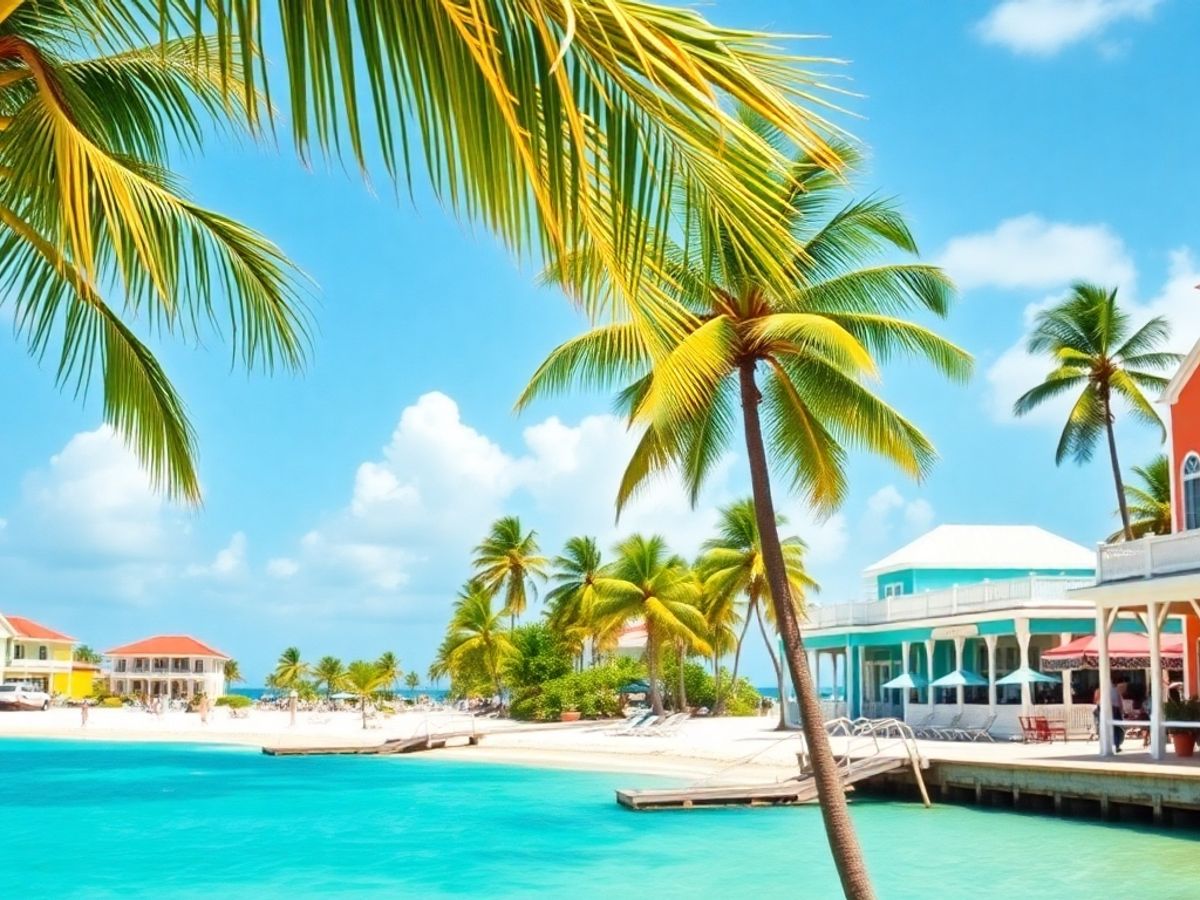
{"points": [[980, 732], [946, 732], [637, 724], [927, 727], [669, 726]]}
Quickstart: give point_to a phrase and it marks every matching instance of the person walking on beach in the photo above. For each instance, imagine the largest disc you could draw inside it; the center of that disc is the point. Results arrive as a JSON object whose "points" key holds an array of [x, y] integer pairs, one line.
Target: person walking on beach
{"points": [[204, 709], [83, 714]]}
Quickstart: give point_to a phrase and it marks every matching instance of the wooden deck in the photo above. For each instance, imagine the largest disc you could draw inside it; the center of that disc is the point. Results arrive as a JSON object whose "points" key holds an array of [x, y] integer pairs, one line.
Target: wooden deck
{"points": [[387, 748], [784, 793]]}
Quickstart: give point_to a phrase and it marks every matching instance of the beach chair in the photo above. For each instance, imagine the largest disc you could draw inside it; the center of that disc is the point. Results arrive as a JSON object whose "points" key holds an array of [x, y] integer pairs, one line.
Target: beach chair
{"points": [[927, 728], [944, 732], [981, 732], [669, 726], [636, 724]]}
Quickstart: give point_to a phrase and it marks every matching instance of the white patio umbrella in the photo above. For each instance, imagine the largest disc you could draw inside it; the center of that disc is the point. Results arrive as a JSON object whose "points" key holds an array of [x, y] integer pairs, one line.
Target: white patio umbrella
{"points": [[907, 681], [959, 678], [1026, 675]]}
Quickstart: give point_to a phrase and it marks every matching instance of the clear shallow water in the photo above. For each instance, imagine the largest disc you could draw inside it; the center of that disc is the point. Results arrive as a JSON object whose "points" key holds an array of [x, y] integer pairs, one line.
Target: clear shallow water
{"points": [[184, 821]]}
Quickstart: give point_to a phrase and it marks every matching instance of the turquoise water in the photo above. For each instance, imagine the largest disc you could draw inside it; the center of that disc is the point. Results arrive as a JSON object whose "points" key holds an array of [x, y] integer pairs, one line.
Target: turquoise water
{"points": [[102, 820]]}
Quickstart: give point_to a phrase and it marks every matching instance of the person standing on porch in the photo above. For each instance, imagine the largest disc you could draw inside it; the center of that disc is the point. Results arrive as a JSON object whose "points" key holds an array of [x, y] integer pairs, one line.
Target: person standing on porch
{"points": [[1116, 701]]}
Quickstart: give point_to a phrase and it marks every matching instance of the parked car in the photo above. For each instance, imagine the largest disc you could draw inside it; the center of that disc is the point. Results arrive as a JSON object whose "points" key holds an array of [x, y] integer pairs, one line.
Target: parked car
{"points": [[14, 695]]}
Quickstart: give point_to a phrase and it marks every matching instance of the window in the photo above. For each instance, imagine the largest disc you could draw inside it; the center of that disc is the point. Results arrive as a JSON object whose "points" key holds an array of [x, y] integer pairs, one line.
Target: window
{"points": [[19, 651], [1191, 492], [198, 665], [120, 665], [893, 590], [42, 652]]}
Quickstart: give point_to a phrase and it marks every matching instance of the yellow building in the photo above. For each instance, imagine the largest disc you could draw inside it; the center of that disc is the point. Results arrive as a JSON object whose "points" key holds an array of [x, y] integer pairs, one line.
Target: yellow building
{"points": [[41, 656]]}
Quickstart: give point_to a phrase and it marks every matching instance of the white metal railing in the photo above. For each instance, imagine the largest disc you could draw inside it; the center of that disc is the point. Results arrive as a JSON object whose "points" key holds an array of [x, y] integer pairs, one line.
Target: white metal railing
{"points": [[1034, 590], [1157, 554]]}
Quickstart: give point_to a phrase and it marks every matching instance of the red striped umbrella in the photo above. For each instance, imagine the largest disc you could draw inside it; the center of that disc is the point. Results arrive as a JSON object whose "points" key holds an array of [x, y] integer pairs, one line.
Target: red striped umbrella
{"points": [[1125, 651]]}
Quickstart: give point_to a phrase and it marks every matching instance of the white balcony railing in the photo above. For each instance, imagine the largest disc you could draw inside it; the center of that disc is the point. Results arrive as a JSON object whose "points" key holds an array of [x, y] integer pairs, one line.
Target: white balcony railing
{"points": [[1165, 554], [1011, 593]]}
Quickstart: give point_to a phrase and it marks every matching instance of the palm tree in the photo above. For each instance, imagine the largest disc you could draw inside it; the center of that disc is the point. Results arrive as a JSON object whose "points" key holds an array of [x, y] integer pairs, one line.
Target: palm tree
{"points": [[1149, 504], [329, 672], [556, 124], [90, 209], [476, 637], [412, 681], [815, 343], [389, 663], [85, 654], [569, 602], [290, 670], [732, 565], [233, 673], [508, 560], [645, 582], [1095, 350], [364, 680]]}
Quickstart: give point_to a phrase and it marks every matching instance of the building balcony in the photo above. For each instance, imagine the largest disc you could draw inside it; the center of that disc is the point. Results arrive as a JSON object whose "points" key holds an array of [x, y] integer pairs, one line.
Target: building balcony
{"points": [[1149, 557], [1036, 591]]}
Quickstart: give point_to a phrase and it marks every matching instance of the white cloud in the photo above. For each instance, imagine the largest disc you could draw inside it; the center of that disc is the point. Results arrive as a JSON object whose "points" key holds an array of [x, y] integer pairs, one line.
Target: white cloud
{"points": [[1016, 371], [282, 567], [1044, 27], [887, 510], [229, 561], [1030, 252]]}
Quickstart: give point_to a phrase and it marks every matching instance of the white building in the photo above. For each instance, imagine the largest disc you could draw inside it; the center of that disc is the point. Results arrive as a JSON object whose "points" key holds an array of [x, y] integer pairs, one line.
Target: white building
{"points": [[169, 665]]}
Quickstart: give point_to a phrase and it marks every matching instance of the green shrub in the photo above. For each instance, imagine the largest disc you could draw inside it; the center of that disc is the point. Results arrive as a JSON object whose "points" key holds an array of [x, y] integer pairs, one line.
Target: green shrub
{"points": [[235, 701], [540, 657], [701, 689], [111, 702], [593, 692]]}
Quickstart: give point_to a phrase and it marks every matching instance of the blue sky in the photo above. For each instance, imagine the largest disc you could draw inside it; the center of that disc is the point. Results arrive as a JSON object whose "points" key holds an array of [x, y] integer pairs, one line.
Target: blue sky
{"points": [[1031, 142]]}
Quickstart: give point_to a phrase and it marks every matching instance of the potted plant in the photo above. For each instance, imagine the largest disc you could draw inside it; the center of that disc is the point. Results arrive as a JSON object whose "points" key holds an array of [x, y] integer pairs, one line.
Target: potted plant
{"points": [[1186, 709], [570, 713]]}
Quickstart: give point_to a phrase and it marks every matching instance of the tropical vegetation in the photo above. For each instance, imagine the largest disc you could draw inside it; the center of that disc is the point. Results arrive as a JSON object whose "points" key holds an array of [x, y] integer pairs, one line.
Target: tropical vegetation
{"points": [[1149, 503], [1102, 359], [508, 561]]}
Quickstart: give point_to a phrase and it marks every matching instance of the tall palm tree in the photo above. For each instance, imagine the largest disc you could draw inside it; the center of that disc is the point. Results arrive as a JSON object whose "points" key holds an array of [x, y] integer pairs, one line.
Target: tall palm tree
{"points": [[508, 560], [732, 564], [233, 672], [476, 636], [815, 344], [721, 615], [412, 681], [389, 663], [329, 672], [92, 112], [569, 602], [1149, 503], [364, 680], [85, 654], [290, 670], [645, 582], [1096, 351]]}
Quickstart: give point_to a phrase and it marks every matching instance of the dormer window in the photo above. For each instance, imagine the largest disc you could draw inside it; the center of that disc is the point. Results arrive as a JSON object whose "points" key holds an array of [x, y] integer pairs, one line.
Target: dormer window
{"points": [[1190, 485]]}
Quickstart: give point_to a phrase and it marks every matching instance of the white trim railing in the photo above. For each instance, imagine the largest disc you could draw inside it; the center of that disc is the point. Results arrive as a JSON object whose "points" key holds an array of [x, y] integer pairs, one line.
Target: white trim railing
{"points": [[1157, 554], [1009, 593]]}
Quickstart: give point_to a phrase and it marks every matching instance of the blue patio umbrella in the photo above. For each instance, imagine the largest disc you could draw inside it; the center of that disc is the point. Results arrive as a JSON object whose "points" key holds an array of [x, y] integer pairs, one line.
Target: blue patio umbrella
{"points": [[635, 687], [1025, 675], [909, 680], [959, 678]]}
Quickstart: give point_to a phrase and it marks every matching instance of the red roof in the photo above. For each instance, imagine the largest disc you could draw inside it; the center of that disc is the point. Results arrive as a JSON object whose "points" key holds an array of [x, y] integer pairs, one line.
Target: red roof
{"points": [[167, 645], [27, 628]]}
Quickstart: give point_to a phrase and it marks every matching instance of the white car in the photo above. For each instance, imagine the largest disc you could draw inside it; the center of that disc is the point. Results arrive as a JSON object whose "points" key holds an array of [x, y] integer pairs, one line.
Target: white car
{"points": [[15, 695]]}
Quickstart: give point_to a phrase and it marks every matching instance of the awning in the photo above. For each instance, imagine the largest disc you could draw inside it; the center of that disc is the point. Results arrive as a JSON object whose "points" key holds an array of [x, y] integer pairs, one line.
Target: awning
{"points": [[906, 681], [1125, 651], [959, 678], [1026, 675]]}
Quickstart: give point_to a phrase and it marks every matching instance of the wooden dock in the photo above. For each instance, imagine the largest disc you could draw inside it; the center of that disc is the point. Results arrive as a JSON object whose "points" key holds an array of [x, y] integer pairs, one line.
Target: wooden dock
{"points": [[801, 789], [392, 747]]}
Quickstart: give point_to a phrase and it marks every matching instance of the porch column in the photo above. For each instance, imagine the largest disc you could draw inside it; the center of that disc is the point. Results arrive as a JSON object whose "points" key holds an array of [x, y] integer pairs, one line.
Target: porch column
{"points": [[958, 664], [1156, 698], [1023, 662], [1065, 638], [1105, 726], [833, 656], [929, 670], [860, 681], [990, 640], [904, 694]]}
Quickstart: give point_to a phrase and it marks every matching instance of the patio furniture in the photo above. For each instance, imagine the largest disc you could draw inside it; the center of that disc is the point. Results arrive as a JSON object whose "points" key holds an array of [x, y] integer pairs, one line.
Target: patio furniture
{"points": [[1049, 729], [946, 732], [975, 733], [1029, 730]]}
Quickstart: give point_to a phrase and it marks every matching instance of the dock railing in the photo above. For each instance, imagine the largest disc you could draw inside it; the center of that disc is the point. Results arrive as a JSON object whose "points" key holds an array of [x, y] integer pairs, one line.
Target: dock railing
{"points": [[862, 742]]}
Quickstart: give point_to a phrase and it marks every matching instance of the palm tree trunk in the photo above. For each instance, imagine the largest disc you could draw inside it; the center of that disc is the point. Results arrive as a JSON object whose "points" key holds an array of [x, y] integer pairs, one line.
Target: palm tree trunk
{"points": [[656, 703], [839, 828], [762, 626], [363, 704], [716, 661], [682, 705], [737, 658], [1122, 504]]}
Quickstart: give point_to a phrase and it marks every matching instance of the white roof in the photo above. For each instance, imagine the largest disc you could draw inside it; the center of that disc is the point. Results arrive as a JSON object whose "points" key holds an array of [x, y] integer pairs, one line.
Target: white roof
{"points": [[987, 547], [1183, 375]]}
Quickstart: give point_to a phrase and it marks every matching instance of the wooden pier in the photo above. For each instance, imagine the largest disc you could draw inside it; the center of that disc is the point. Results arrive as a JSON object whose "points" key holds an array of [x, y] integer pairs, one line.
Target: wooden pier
{"points": [[392, 747], [801, 789]]}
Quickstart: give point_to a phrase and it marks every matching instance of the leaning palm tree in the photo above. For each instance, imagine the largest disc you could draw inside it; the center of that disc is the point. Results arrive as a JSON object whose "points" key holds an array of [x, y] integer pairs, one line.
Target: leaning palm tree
{"points": [[1150, 502], [91, 112], [732, 566], [290, 670], [645, 582], [569, 602], [799, 356], [389, 663], [364, 680], [233, 672], [508, 560], [476, 638], [1097, 353], [329, 672]]}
